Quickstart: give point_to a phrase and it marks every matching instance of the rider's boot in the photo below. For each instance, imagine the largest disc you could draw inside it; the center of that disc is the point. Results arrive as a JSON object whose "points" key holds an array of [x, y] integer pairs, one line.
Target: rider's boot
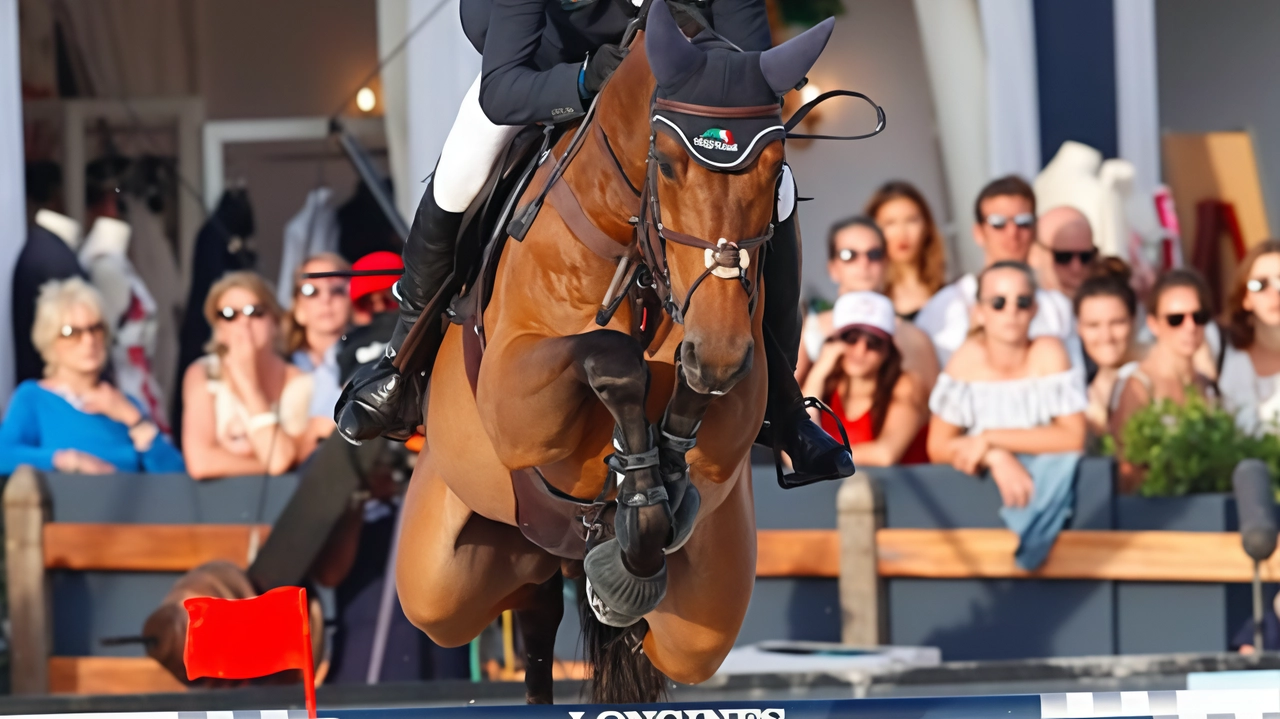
{"points": [[377, 400], [815, 455]]}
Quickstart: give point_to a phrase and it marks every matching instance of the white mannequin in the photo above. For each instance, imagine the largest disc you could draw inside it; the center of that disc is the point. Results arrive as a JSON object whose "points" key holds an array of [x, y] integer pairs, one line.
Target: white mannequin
{"points": [[129, 310]]}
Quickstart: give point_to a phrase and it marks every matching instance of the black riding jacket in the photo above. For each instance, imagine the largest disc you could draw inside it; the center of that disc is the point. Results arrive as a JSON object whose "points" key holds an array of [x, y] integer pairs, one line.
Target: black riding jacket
{"points": [[534, 49]]}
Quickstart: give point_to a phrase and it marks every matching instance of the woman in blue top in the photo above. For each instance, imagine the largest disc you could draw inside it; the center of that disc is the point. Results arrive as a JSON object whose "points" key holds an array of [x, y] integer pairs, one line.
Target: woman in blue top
{"points": [[72, 420]]}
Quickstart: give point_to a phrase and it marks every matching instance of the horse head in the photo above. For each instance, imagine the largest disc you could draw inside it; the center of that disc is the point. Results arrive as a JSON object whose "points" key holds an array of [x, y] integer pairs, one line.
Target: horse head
{"points": [[715, 162]]}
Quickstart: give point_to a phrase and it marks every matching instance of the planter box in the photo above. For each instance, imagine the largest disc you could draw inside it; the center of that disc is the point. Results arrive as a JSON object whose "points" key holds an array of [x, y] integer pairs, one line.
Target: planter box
{"points": [[1206, 615]]}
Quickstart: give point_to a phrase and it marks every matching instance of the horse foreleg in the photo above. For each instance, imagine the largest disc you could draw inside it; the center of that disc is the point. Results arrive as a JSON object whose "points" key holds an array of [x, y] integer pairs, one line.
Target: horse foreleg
{"points": [[538, 621], [627, 575]]}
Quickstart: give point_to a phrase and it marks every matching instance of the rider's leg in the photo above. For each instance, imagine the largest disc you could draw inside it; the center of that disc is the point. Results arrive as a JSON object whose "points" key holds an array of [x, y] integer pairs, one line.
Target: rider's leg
{"points": [[812, 451], [377, 401]]}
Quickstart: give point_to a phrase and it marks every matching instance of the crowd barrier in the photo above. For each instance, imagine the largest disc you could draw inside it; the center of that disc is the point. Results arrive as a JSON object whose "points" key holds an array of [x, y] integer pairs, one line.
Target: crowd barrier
{"points": [[902, 555]]}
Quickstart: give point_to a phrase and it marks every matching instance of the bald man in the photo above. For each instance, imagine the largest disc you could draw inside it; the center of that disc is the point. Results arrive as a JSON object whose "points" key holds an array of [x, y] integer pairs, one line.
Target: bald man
{"points": [[1063, 253]]}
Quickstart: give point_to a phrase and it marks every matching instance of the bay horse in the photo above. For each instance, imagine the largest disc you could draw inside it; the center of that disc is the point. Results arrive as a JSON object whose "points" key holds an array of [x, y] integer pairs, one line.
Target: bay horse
{"points": [[568, 408]]}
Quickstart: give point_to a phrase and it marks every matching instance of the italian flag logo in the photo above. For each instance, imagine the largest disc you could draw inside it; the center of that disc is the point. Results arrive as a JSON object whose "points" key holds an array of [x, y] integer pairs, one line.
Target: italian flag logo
{"points": [[716, 139]]}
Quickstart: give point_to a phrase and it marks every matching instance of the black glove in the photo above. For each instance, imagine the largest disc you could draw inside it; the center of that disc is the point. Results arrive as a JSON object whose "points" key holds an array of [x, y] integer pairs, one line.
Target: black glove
{"points": [[601, 65]]}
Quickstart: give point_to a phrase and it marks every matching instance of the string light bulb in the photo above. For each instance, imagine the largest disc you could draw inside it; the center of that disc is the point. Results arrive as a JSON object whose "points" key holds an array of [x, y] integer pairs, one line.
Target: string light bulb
{"points": [[366, 100]]}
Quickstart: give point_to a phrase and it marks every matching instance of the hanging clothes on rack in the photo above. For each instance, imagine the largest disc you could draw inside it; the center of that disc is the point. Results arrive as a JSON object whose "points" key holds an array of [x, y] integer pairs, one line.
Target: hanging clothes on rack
{"points": [[364, 227], [312, 231], [151, 253]]}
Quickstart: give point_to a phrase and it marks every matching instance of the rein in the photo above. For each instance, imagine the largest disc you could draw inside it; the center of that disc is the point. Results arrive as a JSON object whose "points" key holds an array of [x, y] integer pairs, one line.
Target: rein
{"points": [[642, 261]]}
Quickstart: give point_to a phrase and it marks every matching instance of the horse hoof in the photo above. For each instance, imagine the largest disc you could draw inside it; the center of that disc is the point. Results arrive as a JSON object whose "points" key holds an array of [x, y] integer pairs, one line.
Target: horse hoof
{"points": [[604, 614], [615, 592], [684, 518]]}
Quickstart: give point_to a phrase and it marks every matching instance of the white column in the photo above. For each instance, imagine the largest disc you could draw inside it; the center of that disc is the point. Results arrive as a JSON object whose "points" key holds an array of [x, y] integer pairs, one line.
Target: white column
{"points": [[951, 34], [441, 67], [1013, 100], [393, 23], [13, 203], [1137, 100]]}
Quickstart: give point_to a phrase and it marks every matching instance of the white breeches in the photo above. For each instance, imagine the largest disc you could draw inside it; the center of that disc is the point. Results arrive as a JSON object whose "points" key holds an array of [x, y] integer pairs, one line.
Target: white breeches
{"points": [[473, 145]]}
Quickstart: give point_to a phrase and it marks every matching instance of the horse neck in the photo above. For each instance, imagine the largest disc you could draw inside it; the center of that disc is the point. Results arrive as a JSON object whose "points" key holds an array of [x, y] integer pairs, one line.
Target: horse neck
{"points": [[623, 114]]}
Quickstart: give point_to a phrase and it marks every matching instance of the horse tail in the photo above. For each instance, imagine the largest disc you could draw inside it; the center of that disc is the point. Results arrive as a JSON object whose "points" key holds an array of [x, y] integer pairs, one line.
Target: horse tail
{"points": [[620, 672]]}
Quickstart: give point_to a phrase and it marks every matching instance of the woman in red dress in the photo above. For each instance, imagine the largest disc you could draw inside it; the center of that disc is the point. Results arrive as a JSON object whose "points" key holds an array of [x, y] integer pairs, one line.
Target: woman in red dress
{"points": [[859, 374]]}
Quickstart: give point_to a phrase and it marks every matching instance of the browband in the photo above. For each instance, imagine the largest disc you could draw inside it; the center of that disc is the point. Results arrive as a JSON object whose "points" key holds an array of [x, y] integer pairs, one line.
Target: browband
{"points": [[687, 108]]}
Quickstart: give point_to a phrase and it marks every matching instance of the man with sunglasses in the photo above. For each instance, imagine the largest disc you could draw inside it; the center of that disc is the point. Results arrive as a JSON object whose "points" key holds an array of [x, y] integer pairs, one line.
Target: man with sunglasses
{"points": [[1063, 255], [1005, 228]]}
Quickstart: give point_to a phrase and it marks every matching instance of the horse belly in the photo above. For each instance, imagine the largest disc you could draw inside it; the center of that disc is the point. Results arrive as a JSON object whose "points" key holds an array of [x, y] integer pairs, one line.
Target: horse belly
{"points": [[460, 448]]}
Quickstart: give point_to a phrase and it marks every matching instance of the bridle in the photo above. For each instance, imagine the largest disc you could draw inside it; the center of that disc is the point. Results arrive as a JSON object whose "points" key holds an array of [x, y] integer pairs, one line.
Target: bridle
{"points": [[725, 259], [642, 262]]}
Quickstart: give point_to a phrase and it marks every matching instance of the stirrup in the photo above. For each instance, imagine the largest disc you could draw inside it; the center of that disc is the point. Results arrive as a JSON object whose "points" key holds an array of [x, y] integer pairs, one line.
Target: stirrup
{"points": [[801, 479]]}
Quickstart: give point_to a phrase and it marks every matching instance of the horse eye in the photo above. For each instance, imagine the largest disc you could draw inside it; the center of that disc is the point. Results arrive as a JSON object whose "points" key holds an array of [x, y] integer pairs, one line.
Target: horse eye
{"points": [[665, 169]]}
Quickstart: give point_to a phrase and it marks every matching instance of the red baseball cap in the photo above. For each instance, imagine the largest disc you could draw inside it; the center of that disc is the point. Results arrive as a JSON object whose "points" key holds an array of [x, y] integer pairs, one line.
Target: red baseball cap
{"points": [[381, 260]]}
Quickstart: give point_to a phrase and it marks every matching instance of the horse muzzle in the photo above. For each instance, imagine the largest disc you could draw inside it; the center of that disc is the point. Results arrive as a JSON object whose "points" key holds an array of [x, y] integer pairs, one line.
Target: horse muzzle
{"points": [[714, 368]]}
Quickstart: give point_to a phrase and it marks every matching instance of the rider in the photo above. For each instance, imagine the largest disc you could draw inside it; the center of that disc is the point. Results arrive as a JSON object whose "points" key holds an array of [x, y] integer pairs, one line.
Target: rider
{"points": [[534, 71]]}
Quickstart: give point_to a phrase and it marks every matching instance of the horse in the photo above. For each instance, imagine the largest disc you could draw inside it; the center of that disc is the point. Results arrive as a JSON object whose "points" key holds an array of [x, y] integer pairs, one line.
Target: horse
{"points": [[663, 405]]}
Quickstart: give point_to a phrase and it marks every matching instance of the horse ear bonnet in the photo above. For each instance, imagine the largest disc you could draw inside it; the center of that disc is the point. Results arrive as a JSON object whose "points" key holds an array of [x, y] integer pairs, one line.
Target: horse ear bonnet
{"points": [[711, 75]]}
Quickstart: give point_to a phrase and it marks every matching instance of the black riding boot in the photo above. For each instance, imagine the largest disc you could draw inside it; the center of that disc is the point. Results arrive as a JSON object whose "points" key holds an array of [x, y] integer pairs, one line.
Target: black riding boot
{"points": [[815, 456], [377, 400]]}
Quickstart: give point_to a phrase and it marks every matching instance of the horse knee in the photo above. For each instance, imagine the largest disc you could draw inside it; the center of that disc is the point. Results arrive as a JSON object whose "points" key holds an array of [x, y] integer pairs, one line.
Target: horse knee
{"points": [[614, 366], [694, 661], [439, 622]]}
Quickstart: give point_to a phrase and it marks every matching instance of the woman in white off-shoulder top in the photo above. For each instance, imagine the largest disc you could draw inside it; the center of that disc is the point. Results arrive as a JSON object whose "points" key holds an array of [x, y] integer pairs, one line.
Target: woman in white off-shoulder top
{"points": [[1003, 394]]}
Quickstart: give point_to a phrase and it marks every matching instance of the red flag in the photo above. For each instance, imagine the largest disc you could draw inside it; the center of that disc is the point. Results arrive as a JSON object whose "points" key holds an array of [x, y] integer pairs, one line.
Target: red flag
{"points": [[247, 638]]}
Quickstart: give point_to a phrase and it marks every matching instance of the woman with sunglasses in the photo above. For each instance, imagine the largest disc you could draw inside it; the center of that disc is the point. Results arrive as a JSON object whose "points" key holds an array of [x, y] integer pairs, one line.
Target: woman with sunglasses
{"points": [[1004, 397], [859, 375], [320, 315], [856, 252], [73, 420], [246, 410], [1249, 374], [1178, 312], [917, 262]]}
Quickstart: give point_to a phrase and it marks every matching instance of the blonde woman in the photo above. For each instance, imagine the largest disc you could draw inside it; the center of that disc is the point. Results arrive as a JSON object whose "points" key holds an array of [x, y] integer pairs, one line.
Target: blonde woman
{"points": [[73, 420], [245, 407], [320, 315]]}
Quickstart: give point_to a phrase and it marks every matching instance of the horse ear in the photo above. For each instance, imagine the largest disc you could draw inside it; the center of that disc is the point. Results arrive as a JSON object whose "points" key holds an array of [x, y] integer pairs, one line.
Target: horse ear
{"points": [[785, 65], [672, 58]]}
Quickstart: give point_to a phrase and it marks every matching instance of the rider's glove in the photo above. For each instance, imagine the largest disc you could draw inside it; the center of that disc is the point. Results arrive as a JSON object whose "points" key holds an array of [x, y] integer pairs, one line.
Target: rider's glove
{"points": [[600, 66]]}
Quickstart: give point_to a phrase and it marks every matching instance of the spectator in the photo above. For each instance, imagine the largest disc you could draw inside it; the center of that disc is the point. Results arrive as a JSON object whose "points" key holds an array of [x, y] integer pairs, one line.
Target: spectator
{"points": [[917, 261], [1179, 310], [1063, 255], [1005, 394], [1106, 308], [320, 315], [1249, 374], [245, 409], [1005, 227], [856, 263], [374, 310], [73, 420], [859, 375]]}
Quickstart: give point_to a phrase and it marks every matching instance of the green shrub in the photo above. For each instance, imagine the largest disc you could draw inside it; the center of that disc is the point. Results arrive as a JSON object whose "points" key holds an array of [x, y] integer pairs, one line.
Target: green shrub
{"points": [[1192, 447]]}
